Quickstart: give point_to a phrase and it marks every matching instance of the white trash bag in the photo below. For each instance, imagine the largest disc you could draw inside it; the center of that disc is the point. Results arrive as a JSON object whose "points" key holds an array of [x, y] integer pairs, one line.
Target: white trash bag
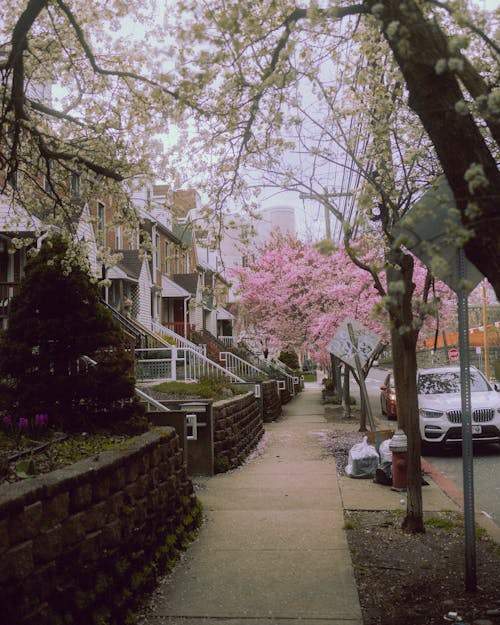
{"points": [[385, 451], [362, 461]]}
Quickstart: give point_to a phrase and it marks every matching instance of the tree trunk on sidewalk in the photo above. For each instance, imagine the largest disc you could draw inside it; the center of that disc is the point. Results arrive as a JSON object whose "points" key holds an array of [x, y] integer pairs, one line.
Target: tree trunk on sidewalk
{"points": [[346, 392], [404, 342], [336, 375], [362, 404]]}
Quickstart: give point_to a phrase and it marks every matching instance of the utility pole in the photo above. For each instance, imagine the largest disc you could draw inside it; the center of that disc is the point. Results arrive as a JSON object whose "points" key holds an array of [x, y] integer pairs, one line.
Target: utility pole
{"points": [[324, 198], [485, 333]]}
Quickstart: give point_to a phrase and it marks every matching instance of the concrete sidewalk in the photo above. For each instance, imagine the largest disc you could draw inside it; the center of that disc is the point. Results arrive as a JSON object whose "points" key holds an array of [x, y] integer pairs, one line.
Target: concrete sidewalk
{"points": [[273, 549]]}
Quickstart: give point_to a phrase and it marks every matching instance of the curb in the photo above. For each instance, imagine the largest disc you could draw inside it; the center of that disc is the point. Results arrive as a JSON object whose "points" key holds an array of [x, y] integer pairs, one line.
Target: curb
{"points": [[456, 495]]}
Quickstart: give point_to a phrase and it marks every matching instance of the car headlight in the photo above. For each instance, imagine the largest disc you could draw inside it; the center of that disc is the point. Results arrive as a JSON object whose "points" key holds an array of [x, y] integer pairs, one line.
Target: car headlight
{"points": [[430, 414]]}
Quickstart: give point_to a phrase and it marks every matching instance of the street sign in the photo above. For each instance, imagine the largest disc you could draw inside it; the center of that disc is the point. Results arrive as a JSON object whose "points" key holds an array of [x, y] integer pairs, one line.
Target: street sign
{"points": [[431, 229], [354, 344], [365, 343], [453, 354]]}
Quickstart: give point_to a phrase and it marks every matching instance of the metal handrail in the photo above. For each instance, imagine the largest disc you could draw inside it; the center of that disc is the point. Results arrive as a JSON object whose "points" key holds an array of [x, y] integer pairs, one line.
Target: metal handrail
{"points": [[240, 366], [227, 340], [151, 400], [290, 380], [173, 363], [180, 341]]}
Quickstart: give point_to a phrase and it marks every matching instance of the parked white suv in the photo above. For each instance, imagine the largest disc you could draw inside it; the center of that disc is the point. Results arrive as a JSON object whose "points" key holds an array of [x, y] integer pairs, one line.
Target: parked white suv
{"points": [[440, 406]]}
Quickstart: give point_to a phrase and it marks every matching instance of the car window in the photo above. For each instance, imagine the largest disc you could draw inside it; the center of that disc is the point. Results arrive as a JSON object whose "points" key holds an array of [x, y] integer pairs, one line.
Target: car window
{"points": [[449, 382]]}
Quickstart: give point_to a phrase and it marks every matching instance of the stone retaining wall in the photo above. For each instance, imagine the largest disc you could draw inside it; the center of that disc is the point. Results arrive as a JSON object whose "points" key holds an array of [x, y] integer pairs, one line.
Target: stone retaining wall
{"points": [[271, 401], [77, 544], [238, 427]]}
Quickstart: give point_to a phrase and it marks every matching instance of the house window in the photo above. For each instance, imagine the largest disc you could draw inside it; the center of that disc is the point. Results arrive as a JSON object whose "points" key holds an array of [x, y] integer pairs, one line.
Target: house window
{"points": [[118, 238], [185, 262], [176, 260], [167, 259], [156, 251], [75, 185], [101, 222]]}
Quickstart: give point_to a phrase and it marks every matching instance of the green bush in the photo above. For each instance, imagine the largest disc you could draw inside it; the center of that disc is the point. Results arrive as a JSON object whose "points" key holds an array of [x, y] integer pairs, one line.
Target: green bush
{"points": [[206, 388], [56, 320]]}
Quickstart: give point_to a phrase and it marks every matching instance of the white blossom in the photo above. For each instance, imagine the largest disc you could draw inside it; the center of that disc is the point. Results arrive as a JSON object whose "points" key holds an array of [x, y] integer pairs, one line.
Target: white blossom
{"points": [[476, 178], [392, 29], [461, 107], [441, 66], [472, 210], [456, 64]]}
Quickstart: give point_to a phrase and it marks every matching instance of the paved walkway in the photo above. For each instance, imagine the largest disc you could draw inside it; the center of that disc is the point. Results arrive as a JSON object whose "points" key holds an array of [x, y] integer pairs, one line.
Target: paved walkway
{"points": [[273, 549]]}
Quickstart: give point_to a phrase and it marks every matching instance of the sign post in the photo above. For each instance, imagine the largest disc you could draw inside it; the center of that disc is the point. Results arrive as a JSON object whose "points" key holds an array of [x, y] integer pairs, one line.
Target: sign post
{"points": [[362, 385], [429, 230], [354, 344]]}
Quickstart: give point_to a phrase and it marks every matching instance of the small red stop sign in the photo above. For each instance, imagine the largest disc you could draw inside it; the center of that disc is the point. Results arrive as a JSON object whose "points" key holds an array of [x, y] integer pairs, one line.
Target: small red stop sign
{"points": [[453, 354]]}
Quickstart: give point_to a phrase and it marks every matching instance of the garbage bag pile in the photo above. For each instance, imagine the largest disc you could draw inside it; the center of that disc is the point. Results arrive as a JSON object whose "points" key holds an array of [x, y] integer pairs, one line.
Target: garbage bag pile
{"points": [[365, 462]]}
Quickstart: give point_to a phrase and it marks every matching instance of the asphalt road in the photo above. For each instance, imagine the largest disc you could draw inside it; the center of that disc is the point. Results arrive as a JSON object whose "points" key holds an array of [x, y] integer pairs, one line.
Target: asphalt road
{"points": [[486, 464]]}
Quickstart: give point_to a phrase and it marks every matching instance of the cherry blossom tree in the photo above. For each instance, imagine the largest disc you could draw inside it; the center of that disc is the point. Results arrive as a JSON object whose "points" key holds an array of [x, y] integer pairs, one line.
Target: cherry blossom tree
{"points": [[296, 296], [253, 57]]}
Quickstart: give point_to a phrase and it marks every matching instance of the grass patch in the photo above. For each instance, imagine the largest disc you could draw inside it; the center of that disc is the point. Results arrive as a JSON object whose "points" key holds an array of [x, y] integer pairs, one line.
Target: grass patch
{"points": [[207, 388], [309, 377], [441, 523]]}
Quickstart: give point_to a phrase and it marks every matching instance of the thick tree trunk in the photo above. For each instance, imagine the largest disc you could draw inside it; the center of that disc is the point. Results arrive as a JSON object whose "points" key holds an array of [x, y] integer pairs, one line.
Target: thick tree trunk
{"points": [[336, 375], [405, 375], [418, 46], [404, 342]]}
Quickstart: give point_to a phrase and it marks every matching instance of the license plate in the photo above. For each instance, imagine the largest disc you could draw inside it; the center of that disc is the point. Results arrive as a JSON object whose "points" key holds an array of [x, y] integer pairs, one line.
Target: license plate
{"points": [[476, 429]]}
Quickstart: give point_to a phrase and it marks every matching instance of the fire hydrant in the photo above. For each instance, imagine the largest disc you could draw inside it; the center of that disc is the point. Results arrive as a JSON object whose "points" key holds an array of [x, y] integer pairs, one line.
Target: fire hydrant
{"points": [[399, 449]]}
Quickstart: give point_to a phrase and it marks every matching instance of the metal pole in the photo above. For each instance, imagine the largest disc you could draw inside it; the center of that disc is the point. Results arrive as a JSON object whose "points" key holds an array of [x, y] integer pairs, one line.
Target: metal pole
{"points": [[467, 450], [362, 385], [487, 372]]}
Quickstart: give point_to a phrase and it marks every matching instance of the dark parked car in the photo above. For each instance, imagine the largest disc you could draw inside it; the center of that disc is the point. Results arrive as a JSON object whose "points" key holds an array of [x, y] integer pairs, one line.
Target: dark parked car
{"points": [[388, 398]]}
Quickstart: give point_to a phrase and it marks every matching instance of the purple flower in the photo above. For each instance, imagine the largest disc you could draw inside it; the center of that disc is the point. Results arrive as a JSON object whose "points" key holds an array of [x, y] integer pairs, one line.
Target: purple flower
{"points": [[7, 422], [22, 424], [41, 420]]}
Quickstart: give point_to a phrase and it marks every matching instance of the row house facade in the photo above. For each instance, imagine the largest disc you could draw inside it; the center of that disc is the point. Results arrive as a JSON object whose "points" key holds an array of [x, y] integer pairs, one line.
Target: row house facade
{"points": [[158, 274]]}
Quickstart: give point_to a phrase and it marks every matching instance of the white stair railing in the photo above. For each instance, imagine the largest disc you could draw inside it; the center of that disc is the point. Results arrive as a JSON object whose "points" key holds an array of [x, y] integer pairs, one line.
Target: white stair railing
{"points": [[228, 341], [290, 380], [179, 341], [151, 401], [175, 363], [241, 367]]}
